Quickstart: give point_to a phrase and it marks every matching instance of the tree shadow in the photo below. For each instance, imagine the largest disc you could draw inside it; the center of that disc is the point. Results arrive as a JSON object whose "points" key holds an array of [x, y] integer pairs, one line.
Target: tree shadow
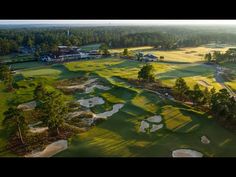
{"points": [[65, 73], [189, 71], [126, 64]]}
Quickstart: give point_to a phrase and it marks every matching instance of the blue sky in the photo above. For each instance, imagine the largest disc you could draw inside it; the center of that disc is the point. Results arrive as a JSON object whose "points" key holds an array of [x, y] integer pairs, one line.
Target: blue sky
{"points": [[123, 22]]}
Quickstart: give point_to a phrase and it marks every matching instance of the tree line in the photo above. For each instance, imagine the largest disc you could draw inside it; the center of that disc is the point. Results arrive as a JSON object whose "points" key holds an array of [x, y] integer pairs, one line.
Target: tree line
{"points": [[47, 39], [218, 57], [220, 104]]}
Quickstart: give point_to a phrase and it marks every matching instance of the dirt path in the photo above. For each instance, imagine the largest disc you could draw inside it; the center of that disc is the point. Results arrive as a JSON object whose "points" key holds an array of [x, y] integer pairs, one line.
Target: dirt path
{"points": [[51, 149]]}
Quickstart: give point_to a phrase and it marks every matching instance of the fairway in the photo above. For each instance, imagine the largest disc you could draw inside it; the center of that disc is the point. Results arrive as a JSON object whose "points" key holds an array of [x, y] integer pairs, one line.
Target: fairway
{"points": [[119, 135], [119, 50], [186, 55]]}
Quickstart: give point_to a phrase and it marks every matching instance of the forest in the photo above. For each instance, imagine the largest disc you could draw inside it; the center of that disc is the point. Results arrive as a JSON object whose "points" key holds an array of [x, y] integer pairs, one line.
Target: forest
{"points": [[46, 39]]}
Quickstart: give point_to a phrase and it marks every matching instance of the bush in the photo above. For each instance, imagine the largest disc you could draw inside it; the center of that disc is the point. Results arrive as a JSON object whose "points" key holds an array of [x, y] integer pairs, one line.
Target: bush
{"points": [[98, 121]]}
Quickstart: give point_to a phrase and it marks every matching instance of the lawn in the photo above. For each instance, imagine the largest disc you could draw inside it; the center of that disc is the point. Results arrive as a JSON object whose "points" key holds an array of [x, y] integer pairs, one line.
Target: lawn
{"points": [[231, 74], [119, 50], [90, 47], [188, 55], [28, 65], [167, 72], [119, 135], [16, 58]]}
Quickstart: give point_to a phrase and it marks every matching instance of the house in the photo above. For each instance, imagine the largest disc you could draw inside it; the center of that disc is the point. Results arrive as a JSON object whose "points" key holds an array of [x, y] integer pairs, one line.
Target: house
{"points": [[45, 58], [150, 57], [94, 54], [68, 49], [74, 56]]}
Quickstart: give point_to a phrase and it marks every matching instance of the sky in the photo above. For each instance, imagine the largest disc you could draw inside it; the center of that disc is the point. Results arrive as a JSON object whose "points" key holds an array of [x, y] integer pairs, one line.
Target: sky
{"points": [[120, 22]]}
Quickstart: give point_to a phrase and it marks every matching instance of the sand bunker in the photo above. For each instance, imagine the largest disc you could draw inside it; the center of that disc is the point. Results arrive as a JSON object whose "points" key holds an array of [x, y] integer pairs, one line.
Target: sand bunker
{"points": [[144, 125], [156, 127], [38, 130], [35, 124], [186, 153], [34, 129], [27, 106], [114, 110], [155, 119], [51, 149], [91, 89], [91, 102], [204, 83], [205, 140], [79, 86], [74, 114]]}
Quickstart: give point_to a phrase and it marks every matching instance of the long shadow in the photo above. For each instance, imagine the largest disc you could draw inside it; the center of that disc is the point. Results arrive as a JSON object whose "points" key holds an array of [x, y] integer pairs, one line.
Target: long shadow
{"points": [[189, 71], [126, 64], [66, 73]]}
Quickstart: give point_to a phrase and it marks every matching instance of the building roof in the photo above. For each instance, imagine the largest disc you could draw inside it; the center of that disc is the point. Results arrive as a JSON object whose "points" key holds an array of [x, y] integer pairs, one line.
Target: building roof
{"points": [[150, 56]]}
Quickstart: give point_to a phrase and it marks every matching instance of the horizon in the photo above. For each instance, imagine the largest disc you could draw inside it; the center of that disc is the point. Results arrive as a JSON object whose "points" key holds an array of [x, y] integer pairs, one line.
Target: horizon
{"points": [[121, 22]]}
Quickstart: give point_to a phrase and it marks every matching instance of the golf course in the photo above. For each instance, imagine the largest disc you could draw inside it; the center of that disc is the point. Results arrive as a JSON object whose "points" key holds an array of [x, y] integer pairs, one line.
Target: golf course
{"points": [[178, 126]]}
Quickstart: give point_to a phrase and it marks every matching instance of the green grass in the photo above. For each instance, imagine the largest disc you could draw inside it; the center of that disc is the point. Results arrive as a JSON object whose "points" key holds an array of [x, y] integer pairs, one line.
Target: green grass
{"points": [[143, 48], [231, 74], [28, 65], [189, 55], [166, 72], [16, 58], [90, 47], [119, 135], [183, 128]]}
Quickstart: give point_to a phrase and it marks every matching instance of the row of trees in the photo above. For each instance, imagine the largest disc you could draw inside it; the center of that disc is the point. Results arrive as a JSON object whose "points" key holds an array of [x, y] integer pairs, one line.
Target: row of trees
{"points": [[217, 56], [46, 39], [197, 96], [220, 104]]}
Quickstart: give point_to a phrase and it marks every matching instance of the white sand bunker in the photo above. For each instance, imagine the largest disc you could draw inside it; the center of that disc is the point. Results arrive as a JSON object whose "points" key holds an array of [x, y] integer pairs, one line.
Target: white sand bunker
{"points": [[38, 129], [114, 110], [34, 129], [91, 102], [155, 119], [91, 89], [205, 140], [144, 125], [186, 153], [156, 127], [27, 106], [51, 149], [79, 86], [204, 83], [74, 114]]}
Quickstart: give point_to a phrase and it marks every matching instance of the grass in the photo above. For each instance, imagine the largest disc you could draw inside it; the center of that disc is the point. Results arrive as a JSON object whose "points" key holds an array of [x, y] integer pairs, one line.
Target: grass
{"points": [[28, 65], [183, 128], [188, 55], [231, 73], [90, 47], [119, 135], [119, 50], [108, 68], [16, 58]]}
